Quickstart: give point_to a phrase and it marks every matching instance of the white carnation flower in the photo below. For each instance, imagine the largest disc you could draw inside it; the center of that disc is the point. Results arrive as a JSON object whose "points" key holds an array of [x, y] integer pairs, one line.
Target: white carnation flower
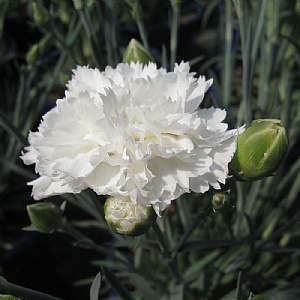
{"points": [[134, 132]]}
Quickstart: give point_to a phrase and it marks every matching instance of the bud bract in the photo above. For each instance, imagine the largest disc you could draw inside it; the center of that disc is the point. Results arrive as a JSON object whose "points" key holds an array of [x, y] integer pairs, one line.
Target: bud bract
{"points": [[261, 149], [136, 52], [128, 218], [45, 216]]}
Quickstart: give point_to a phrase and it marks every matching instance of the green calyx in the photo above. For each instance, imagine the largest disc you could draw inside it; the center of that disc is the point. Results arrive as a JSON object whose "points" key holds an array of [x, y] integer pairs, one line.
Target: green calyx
{"points": [[45, 216], [261, 149], [126, 218], [136, 52]]}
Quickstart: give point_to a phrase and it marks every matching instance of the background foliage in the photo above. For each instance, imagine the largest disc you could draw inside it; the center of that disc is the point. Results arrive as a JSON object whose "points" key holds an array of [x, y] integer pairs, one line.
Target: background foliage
{"points": [[250, 246]]}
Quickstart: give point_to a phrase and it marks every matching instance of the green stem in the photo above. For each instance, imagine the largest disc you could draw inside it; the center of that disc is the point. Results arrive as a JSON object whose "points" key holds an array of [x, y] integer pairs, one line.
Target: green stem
{"points": [[141, 27], [35, 113], [239, 208], [174, 32], [200, 217], [89, 32], [166, 253], [228, 65], [87, 243], [278, 233], [239, 289], [110, 32], [7, 125]]}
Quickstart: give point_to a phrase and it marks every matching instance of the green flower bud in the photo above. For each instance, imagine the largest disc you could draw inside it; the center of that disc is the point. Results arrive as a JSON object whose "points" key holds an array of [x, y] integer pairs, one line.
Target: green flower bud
{"points": [[175, 3], [261, 149], [40, 13], [219, 200], [38, 49], [136, 52], [64, 16], [45, 216], [44, 43], [78, 4], [127, 218], [32, 54]]}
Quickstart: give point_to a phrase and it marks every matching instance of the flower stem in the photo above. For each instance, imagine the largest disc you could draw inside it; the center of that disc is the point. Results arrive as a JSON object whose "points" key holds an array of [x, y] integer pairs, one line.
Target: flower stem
{"points": [[200, 217], [174, 31], [166, 253], [87, 243]]}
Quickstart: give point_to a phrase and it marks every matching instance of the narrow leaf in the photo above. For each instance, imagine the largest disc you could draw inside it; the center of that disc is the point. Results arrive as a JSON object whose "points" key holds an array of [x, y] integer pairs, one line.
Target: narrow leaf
{"points": [[145, 288], [207, 244], [116, 284], [95, 287], [177, 291]]}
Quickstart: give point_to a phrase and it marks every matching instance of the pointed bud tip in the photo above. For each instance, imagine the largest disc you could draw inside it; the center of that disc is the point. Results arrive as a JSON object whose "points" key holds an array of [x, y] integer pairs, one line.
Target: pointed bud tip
{"points": [[45, 216], [136, 52]]}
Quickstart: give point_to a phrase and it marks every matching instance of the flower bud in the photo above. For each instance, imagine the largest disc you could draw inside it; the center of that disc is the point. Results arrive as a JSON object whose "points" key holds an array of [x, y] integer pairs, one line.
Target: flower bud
{"points": [[128, 218], [40, 13], [64, 17], [38, 49], [45, 216], [32, 54], [219, 200], [136, 52], [261, 149], [78, 4]]}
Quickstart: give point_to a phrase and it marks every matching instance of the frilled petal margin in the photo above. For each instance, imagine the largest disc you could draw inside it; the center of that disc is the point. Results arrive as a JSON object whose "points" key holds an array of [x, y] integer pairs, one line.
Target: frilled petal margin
{"points": [[134, 132]]}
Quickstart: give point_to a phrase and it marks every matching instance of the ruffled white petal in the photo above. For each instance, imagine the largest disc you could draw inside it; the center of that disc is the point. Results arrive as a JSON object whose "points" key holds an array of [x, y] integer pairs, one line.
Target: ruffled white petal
{"points": [[132, 131]]}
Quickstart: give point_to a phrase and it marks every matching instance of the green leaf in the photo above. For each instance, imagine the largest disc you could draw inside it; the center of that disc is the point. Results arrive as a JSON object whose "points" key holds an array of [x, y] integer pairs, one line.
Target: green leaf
{"points": [[7, 125], [207, 244], [177, 291], [143, 285], [95, 287], [116, 284], [194, 270]]}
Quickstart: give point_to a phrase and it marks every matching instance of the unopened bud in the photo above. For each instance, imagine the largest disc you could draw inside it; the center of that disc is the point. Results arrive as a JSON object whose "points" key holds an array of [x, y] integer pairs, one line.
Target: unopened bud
{"points": [[38, 49], [128, 218], [219, 200], [261, 149], [136, 52], [64, 17], [40, 13], [45, 216], [78, 4], [32, 54]]}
